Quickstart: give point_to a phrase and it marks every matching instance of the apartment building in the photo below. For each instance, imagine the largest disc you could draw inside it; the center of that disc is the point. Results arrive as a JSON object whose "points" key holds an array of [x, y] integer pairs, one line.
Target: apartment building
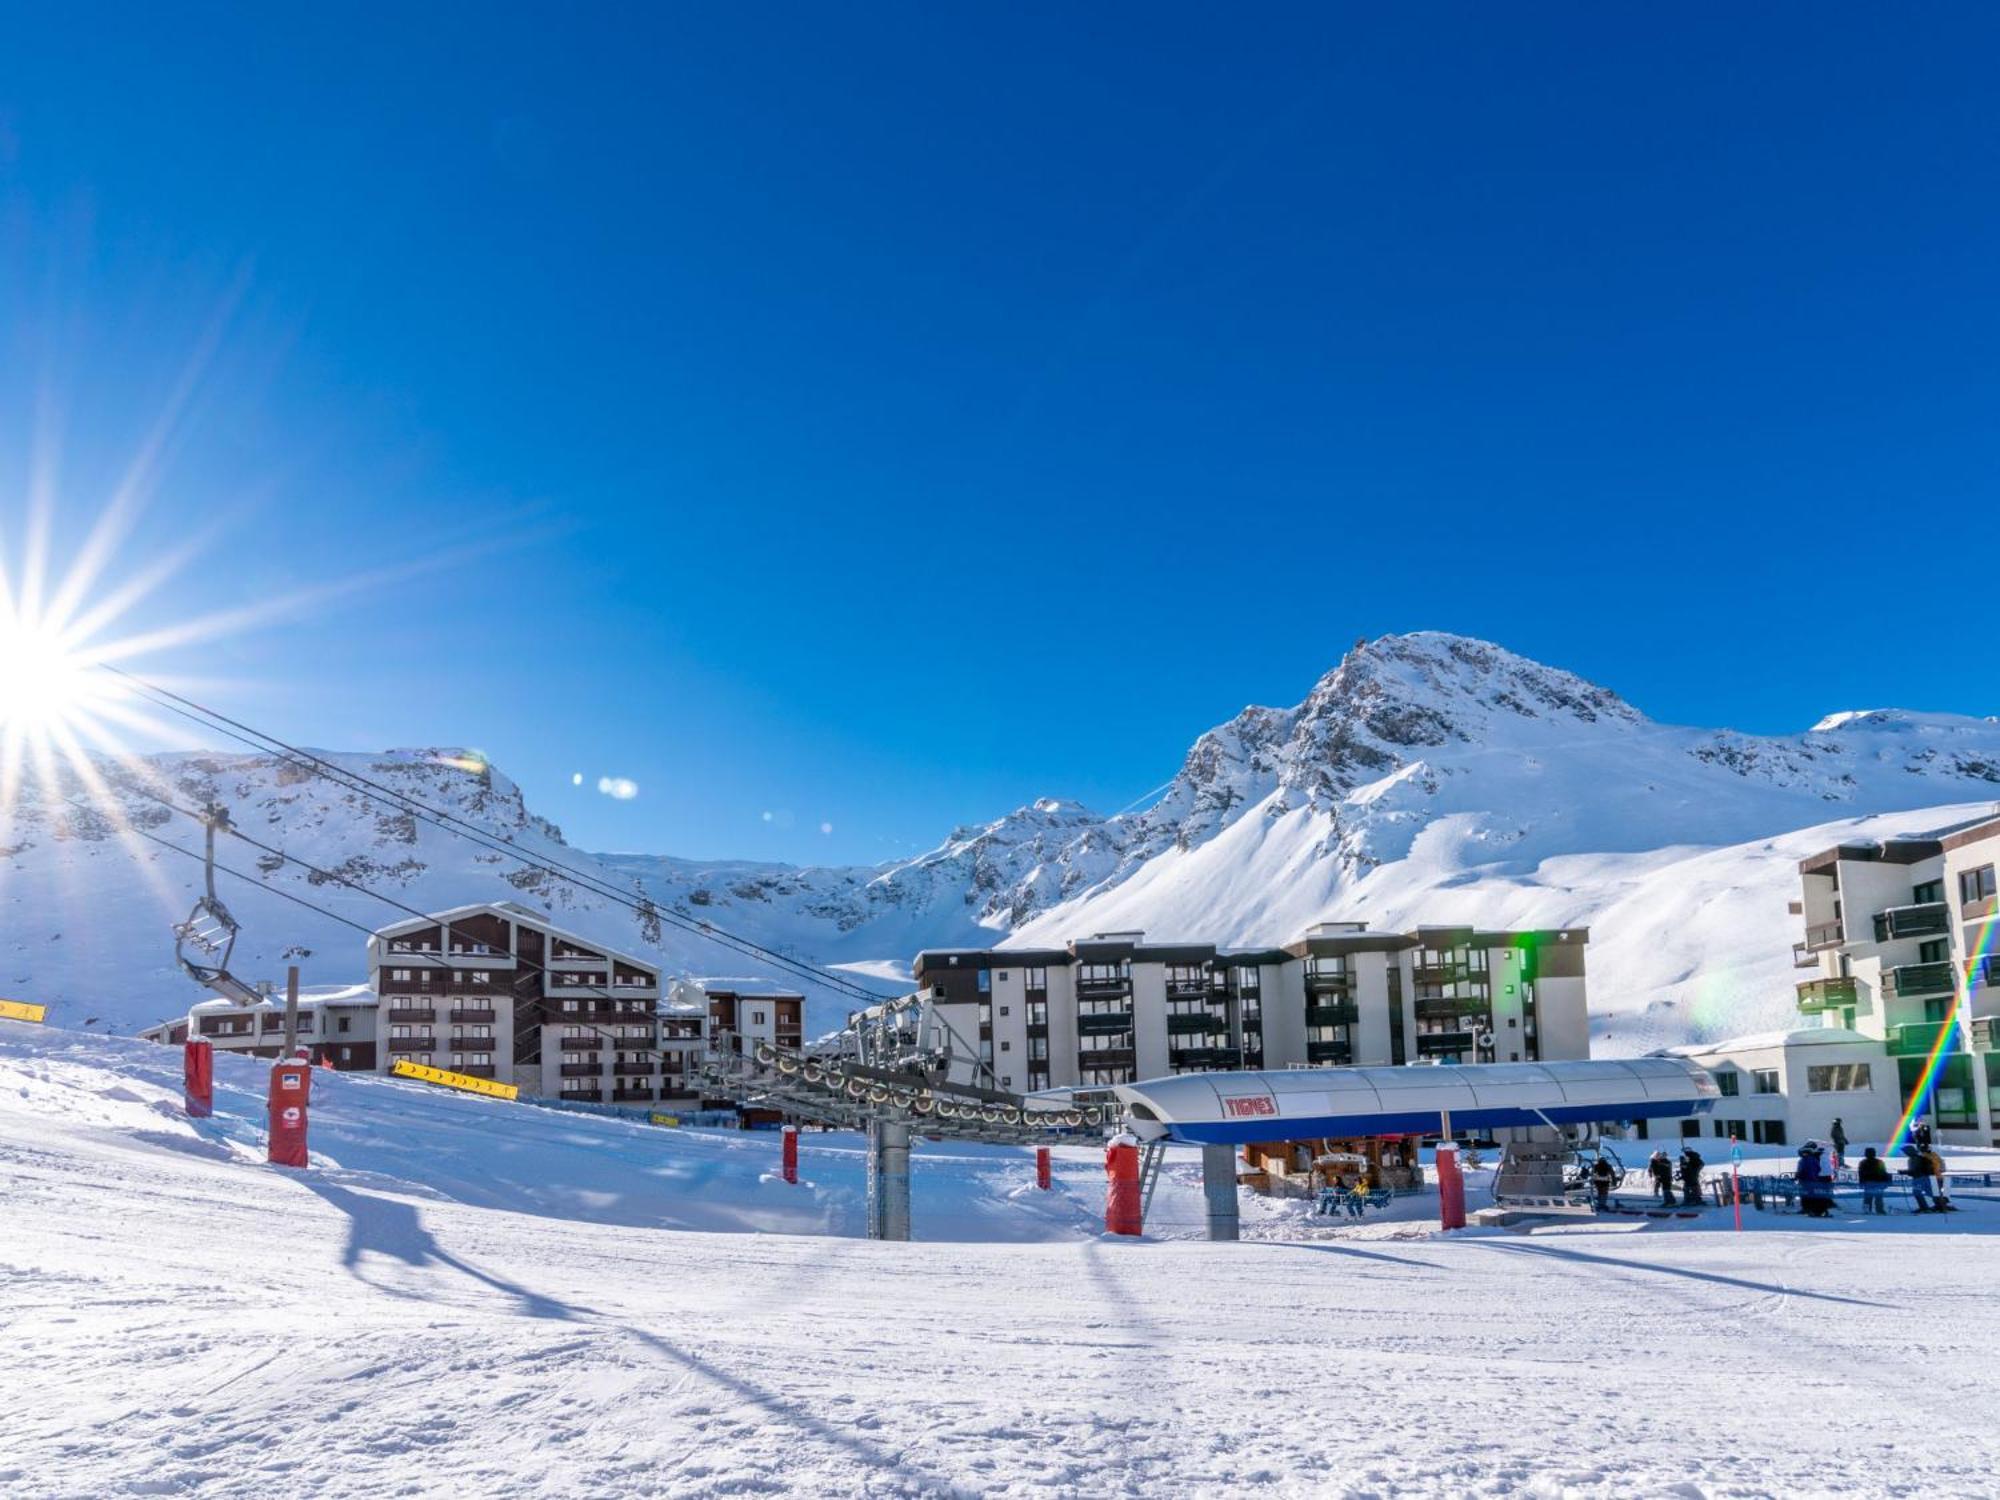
{"points": [[1114, 1008], [1900, 936], [750, 1010], [1787, 1087], [495, 991]]}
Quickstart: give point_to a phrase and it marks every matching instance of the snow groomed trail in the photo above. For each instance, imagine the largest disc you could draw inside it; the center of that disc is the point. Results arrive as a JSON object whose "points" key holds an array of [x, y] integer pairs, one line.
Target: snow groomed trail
{"points": [[418, 1315]]}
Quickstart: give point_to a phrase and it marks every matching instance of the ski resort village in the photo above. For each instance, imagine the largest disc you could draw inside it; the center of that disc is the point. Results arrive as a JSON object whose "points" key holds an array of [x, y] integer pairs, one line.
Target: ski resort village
{"points": [[999, 753]]}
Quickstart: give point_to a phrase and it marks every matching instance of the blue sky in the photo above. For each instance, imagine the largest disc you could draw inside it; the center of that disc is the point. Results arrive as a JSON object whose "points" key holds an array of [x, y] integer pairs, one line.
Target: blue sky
{"points": [[879, 416]]}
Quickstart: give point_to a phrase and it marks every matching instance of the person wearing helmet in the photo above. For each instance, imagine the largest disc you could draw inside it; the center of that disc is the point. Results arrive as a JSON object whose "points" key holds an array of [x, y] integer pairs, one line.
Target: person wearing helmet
{"points": [[1691, 1165], [1815, 1186], [1603, 1177]]}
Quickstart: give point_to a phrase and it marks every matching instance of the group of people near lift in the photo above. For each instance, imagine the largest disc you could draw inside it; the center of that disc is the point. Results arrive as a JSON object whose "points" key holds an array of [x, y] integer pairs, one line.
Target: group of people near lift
{"points": [[1818, 1168]]}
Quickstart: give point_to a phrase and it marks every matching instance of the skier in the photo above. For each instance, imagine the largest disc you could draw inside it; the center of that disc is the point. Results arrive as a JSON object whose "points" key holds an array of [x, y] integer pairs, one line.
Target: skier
{"points": [[1815, 1187], [1937, 1172], [1839, 1144], [1874, 1175], [1691, 1165], [1603, 1177], [1663, 1177], [1917, 1167]]}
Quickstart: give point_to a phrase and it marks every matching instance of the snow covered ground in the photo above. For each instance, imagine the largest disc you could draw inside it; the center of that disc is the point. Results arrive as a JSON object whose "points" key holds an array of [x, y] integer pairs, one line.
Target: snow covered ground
{"points": [[469, 1297]]}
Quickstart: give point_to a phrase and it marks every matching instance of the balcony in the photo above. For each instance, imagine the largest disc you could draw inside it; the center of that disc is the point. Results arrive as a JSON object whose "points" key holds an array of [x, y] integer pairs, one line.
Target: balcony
{"points": [[1207, 1057], [475, 1070], [475, 1017], [1337, 1013], [1451, 1009], [1090, 988], [1329, 1052], [1804, 957], [632, 1069], [1180, 1022], [1104, 1025], [1917, 1040], [1432, 1042], [588, 1096], [412, 1043], [631, 1093], [580, 1070], [1921, 979], [1824, 935], [582, 1044], [1329, 983], [1827, 994], [1932, 919], [1441, 973], [1187, 989], [1120, 1057], [426, 1013]]}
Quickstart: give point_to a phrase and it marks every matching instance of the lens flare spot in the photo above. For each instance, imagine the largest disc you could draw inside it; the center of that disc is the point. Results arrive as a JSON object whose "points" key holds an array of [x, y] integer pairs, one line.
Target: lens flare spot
{"points": [[618, 788]]}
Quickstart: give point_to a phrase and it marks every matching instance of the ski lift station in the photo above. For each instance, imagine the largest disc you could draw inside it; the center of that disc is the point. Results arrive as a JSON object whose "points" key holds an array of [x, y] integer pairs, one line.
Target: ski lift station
{"points": [[1221, 1112]]}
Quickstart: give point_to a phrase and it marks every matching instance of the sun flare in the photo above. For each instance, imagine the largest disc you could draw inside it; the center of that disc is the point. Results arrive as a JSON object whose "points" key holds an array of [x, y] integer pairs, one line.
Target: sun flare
{"points": [[46, 684]]}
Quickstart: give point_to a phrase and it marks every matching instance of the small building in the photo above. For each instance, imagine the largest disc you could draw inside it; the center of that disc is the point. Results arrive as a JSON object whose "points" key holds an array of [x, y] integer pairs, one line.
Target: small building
{"points": [[749, 1010], [337, 1026], [1786, 1087]]}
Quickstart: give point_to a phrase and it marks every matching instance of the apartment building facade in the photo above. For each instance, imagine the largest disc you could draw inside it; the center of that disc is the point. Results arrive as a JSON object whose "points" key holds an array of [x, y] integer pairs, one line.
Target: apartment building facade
{"points": [[336, 1026], [494, 990], [1901, 940], [1114, 1008]]}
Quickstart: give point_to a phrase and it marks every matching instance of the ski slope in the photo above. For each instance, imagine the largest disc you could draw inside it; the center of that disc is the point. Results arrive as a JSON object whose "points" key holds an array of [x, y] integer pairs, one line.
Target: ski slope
{"points": [[428, 1311]]}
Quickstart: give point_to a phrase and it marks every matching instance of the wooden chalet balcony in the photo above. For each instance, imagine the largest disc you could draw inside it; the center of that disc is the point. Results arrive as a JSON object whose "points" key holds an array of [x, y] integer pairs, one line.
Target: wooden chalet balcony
{"points": [[581, 1044], [632, 1069], [473, 1014], [412, 1043], [628, 1092], [420, 1013], [580, 1070]]}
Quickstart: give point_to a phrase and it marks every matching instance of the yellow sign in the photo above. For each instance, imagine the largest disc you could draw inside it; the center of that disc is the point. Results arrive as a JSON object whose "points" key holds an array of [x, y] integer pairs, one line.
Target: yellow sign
{"points": [[20, 1010], [664, 1119], [464, 1081]]}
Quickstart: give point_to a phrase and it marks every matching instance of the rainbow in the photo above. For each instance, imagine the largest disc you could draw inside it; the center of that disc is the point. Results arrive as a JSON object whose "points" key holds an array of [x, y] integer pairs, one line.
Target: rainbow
{"points": [[1961, 1015]]}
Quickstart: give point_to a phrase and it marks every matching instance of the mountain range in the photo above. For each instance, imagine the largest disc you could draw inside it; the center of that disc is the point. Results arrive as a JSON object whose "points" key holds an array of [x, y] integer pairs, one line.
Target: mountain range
{"points": [[1426, 778]]}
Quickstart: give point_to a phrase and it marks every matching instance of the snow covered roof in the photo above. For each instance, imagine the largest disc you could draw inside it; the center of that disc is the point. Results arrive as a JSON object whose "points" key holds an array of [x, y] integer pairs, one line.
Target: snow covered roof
{"points": [[748, 985], [513, 909], [318, 995], [1803, 1036]]}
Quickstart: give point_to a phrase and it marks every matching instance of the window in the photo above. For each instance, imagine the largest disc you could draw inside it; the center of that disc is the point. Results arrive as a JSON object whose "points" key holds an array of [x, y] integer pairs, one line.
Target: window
{"points": [[346, 1054], [1006, 1046], [1768, 1132], [1765, 1081], [1006, 1082], [1003, 977], [756, 1018], [1975, 885], [482, 976], [1837, 1078], [1925, 894], [1728, 1082], [1003, 1009], [343, 1023], [985, 981], [1035, 979]]}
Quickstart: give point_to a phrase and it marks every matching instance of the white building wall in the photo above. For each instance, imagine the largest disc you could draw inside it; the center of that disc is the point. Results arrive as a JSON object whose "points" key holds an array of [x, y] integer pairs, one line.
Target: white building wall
{"points": [[1149, 1020], [1284, 1015], [1370, 989]]}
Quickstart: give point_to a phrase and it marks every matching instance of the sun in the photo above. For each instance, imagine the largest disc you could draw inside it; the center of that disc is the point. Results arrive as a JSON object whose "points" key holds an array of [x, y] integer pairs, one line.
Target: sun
{"points": [[47, 685]]}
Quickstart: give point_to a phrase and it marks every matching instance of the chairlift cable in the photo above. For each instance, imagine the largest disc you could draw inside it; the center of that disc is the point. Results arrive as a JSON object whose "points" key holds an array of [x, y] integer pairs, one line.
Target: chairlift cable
{"points": [[404, 802]]}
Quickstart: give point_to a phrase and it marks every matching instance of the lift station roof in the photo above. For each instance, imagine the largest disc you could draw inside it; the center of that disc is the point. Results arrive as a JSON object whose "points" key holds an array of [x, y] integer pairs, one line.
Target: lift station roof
{"points": [[1307, 1103]]}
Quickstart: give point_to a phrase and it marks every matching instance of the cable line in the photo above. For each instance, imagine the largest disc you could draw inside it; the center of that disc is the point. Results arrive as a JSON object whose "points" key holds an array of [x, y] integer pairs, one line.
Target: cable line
{"points": [[410, 805]]}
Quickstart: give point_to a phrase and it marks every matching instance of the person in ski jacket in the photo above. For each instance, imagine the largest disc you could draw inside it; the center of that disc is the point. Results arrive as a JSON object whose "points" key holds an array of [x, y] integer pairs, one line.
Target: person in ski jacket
{"points": [[1874, 1175], [1691, 1165], [1839, 1138], [1663, 1177], [1357, 1198], [1937, 1176], [1922, 1134], [1815, 1187], [1917, 1167], [1603, 1177]]}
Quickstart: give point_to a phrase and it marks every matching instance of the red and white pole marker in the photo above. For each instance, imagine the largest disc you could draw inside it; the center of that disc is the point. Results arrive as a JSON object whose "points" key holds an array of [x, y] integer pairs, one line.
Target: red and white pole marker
{"points": [[291, 1088], [198, 1078], [1123, 1213], [791, 1152], [1042, 1177], [1451, 1186]]}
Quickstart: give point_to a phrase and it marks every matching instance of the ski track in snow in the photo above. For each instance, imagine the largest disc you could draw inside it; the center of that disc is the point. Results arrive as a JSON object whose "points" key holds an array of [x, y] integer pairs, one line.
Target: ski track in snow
{"points": [[468, 1298]]}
